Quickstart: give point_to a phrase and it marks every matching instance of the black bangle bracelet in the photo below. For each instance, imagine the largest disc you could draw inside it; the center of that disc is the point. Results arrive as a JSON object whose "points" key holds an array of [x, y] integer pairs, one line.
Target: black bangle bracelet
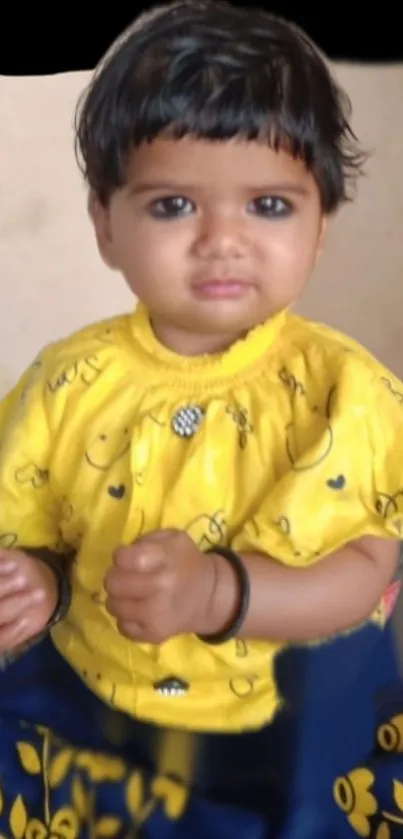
{"points": [[64, 586], [243, 578]]}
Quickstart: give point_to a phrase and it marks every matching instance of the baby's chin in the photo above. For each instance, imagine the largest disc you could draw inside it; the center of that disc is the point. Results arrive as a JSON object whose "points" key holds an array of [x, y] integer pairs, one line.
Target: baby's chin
{"points": [[228, 316], [211, 327]]}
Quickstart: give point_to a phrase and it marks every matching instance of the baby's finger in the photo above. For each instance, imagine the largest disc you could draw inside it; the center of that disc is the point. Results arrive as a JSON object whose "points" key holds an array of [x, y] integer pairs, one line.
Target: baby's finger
{"points": [[128, 609], [8, 562], [12, 583], [143, 558], [129, 584], [13, 635], [13, 608], [133, 631], [121, 609]]}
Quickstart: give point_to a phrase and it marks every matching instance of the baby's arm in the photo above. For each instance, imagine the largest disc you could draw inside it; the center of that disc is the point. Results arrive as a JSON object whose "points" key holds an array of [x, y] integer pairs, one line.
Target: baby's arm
{"points": [[30, 568], [303, 604], [323, 546]]}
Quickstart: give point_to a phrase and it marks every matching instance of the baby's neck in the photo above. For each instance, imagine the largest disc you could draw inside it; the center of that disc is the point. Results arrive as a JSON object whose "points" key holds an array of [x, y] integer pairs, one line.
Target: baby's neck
{"points": [[192, 344]]}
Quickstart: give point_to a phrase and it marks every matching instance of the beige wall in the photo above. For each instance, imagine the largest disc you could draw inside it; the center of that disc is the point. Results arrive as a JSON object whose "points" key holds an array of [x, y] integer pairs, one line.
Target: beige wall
{"points": [[52, 280]]}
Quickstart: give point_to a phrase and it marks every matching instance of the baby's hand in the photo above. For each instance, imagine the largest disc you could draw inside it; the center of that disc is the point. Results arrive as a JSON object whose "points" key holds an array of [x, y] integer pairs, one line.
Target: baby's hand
{"points": [[160, 587], [28, 598]]}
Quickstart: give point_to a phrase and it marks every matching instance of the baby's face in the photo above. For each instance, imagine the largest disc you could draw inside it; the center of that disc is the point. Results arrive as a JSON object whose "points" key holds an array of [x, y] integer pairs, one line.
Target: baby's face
{"points": [[213, 237]]}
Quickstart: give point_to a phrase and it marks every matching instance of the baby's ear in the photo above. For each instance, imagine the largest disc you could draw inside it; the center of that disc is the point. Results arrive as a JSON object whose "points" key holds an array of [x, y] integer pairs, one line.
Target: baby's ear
{"points": [[99, 215]]}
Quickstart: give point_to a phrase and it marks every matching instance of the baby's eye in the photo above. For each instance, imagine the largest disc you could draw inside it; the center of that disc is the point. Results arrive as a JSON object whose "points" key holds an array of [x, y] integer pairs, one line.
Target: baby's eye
{"points": [[271, 206], [172, 207]]}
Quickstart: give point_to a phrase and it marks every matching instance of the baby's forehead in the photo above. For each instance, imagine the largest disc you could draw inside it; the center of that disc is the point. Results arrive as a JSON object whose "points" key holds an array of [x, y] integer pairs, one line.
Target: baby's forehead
{"points": [[197, 163]]}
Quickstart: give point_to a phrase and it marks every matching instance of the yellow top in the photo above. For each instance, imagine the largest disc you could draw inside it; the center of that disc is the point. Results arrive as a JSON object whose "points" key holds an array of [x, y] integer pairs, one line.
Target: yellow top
{"points": [[290, 443]]}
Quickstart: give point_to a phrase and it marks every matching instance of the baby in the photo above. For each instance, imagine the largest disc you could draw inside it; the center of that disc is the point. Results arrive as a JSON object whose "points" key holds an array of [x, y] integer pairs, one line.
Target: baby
{"points": [[188, 488]]}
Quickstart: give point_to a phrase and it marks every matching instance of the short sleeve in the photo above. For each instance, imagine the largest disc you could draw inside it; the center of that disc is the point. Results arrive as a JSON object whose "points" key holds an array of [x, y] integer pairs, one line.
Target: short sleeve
{"points": [[27, 508], [345, 473]]}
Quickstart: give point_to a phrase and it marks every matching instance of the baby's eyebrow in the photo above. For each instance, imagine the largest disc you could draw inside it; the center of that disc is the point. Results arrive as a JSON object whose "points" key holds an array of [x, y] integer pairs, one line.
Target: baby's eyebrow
{"points": [[159, 186], [172, 186]]}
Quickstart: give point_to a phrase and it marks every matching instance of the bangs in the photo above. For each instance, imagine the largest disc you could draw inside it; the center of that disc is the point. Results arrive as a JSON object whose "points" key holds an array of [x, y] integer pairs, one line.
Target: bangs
{"points": [[214, 101], [224, 113]]}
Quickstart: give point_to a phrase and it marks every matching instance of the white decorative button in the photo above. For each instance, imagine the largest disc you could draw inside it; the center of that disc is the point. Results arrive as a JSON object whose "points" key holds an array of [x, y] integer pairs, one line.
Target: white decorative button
{"points": [[172, 687], [186, 421]]}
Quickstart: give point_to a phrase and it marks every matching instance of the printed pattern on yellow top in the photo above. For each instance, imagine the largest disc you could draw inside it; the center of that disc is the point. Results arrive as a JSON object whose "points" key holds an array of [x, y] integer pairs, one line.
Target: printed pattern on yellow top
{"points": [[289, 444]]}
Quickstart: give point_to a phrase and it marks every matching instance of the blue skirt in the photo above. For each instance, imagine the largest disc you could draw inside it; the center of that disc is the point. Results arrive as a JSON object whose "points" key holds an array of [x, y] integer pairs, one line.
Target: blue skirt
{"points": [[326, 768]]}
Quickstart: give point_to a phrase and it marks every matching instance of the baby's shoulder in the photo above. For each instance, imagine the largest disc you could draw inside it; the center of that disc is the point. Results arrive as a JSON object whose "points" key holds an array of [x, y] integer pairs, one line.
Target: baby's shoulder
{"points": [[83, 354], [64, 371], [92, 339], [320, 355], [320, 346]]}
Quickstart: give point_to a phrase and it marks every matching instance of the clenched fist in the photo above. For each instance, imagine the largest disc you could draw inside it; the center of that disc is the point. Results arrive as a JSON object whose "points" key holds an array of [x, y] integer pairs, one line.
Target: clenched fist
{"points": [[28, 598], [162, 586]]}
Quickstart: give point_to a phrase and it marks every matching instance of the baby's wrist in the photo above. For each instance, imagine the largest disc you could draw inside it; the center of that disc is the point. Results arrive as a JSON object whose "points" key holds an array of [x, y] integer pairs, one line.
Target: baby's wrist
{"points": [[50, 583], [223, 603], [56, 584]]}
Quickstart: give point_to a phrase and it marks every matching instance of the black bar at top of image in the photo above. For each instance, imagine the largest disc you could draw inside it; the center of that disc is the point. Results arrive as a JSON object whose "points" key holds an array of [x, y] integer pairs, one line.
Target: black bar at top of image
{"points": [[36, 39]]}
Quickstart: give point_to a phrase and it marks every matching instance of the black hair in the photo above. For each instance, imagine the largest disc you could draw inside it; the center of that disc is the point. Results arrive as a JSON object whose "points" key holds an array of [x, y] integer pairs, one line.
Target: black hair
{"points": [[215, 71]]}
